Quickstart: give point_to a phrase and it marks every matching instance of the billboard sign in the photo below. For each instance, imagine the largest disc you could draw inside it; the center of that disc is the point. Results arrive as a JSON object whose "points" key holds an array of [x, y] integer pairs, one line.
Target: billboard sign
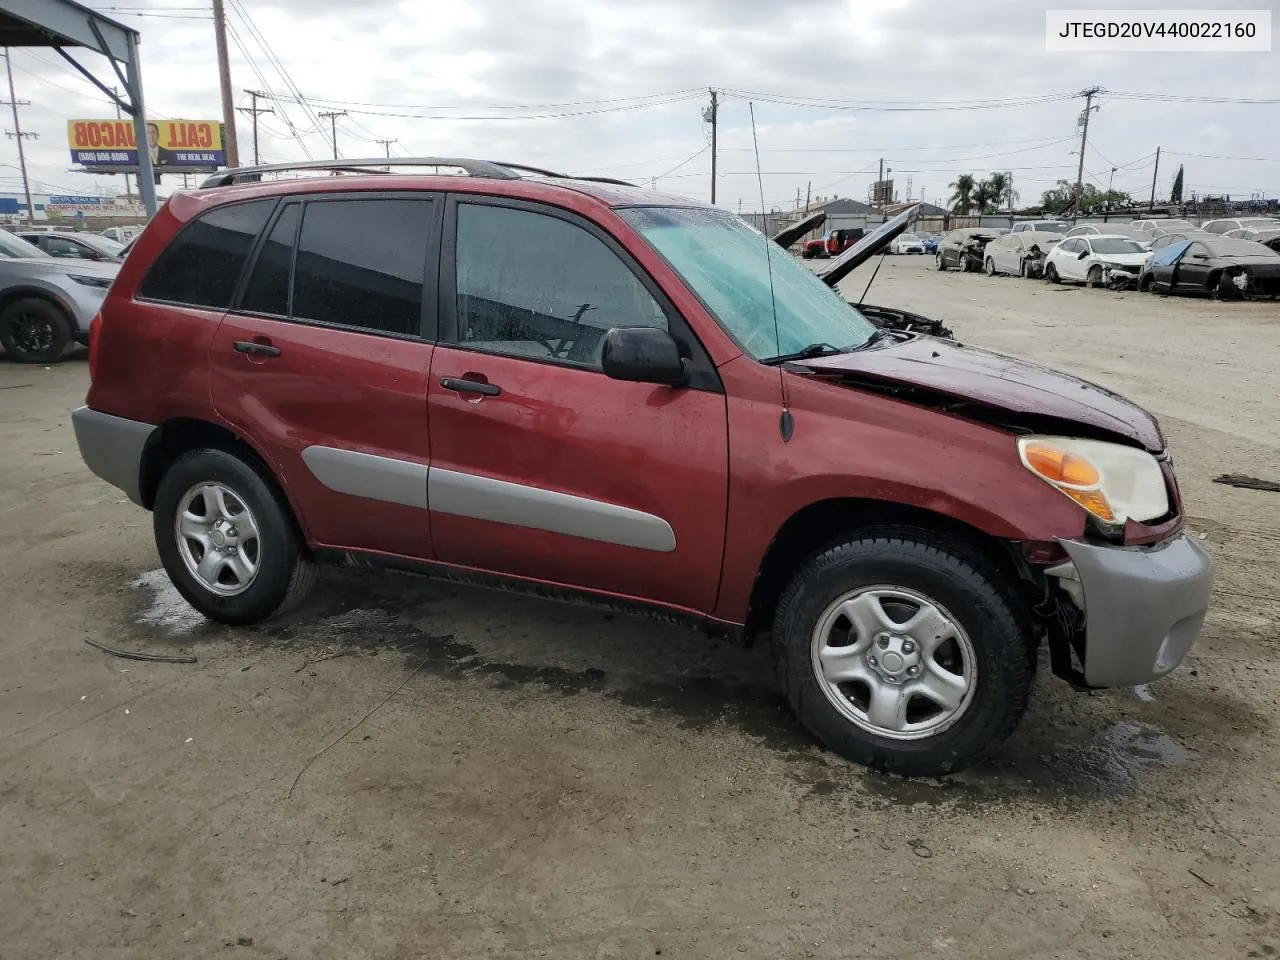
{"points": [[73, 206], [176, 145]]}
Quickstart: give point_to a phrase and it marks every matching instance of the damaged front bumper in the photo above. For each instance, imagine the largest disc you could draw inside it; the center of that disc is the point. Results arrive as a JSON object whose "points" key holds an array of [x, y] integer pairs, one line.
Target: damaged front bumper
{"points": [[1143, 606]]}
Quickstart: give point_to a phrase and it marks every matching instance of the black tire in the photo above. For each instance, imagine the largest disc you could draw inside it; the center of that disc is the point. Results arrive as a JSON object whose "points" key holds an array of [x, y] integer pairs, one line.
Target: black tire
{"points": [[1145, 284], [969, 588], [1050, 273], [1093, 278], [1221, 287], [1024, 270], [285, 574], [938, 262], [990, 267], [33, 330]]}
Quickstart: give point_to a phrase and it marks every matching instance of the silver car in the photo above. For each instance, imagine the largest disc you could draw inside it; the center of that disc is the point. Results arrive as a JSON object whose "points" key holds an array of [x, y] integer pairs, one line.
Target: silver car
{"points": [[46, 302]]}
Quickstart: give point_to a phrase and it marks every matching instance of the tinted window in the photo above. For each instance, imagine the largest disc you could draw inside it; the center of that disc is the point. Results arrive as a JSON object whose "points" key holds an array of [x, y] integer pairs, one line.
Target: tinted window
{"points": [[60, 247], [361, 263], [203, 263], [538, 286], [11, 246], [268, 288]]}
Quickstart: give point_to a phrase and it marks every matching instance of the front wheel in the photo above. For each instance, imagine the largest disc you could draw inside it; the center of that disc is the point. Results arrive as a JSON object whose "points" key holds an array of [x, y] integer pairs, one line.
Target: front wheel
{"points": [[227, 540], [938, 262], [902, 654], [33, 330], [1051, 273], [1093, 278], [990, 267]]}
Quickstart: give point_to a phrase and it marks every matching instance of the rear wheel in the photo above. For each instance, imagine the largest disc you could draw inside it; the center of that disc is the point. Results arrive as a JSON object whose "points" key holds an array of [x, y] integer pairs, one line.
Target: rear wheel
{"points": [[938, 262], [227, 540], [33, 330], [1050, 273], [903, 654]]}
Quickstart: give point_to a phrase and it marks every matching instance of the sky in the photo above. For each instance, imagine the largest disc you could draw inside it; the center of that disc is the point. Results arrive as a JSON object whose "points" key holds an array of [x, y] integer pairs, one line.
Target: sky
{"points": [[934, 88]]}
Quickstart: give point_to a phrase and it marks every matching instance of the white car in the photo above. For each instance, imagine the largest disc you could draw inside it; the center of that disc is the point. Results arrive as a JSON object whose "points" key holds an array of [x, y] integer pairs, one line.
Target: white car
{"points": [[1040, 226], [1111, 230], [907, 243], [1241, 223], [1095, 261], [1155, 226], [1021, 254]]}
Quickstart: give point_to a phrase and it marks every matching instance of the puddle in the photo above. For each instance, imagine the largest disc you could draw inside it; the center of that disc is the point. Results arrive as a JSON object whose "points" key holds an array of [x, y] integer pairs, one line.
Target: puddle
{"points": [[165, 607]]}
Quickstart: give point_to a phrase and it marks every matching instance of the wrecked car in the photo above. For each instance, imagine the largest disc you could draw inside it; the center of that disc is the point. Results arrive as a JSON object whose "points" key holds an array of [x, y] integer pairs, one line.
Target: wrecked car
{"points": [[1267, 236], [1020, 254], [596, 393], [1224, 268], [963, 249], [1112, 261]]}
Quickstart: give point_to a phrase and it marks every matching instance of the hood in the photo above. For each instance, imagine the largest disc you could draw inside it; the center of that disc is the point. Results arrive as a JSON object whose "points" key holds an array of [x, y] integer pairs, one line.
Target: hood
{"points": [[987, 382], [789, 235], [867, 247], [1126, 259], [1268, 260]]}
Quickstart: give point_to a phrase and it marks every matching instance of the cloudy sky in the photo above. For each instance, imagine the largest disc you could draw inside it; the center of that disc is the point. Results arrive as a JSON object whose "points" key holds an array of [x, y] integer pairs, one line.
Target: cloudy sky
{"points": [[618, 88]]}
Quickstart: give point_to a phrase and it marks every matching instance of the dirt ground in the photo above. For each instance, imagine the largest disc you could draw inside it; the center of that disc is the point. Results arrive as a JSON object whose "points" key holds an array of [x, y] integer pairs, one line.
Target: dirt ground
{"points": [[546, 782]]}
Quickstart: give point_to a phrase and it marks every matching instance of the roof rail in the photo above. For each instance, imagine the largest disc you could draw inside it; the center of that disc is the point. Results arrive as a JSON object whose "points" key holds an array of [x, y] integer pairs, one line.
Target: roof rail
{"points": [[494, 170], [473, 168]]}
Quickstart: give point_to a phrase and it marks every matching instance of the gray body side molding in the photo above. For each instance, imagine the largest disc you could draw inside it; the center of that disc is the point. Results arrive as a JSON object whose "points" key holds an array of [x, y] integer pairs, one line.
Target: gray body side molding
{"points": [[483, 498], [370, 476]]}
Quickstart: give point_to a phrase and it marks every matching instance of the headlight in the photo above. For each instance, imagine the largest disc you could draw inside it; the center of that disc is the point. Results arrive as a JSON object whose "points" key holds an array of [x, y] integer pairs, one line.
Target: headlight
{"points": [[1113, 482], [101, 282]]}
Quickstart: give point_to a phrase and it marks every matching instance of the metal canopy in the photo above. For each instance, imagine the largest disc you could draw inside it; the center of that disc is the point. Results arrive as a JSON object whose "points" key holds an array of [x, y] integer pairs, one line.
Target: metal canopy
{"points": [[60, 24]]}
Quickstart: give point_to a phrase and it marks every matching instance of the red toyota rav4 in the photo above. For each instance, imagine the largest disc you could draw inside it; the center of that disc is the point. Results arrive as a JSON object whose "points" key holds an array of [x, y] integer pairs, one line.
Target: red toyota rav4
{"points": [[590, 391]]}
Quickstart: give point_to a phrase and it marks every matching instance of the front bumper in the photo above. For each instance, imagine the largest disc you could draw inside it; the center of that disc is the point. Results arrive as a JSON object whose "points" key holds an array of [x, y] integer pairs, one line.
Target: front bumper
{"points": [[112, 447], [1143, 606]]}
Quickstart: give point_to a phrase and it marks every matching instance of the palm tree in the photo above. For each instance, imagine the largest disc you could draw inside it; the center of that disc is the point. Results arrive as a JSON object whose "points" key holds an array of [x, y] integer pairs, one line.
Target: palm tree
{"points": [[1002, 192], [983, 196], [962, 197]]}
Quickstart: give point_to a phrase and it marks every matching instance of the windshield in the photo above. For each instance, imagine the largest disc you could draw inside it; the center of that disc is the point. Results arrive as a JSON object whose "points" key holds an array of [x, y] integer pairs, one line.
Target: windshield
{"points": [[727, 265], [909, 237], [1226, 247], [1115, 245], [11, 246]]}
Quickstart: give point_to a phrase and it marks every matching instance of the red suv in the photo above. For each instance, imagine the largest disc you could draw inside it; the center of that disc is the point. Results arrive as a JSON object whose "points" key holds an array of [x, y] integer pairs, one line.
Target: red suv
{"points": [[594, 392]]}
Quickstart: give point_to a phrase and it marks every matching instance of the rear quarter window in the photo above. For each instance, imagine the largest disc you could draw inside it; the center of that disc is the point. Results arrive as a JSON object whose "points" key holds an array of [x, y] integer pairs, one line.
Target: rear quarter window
{"points": [[202, 265]]}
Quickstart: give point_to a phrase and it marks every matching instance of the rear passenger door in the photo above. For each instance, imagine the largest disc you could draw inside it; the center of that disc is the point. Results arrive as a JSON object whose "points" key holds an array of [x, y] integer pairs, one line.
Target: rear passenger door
{"points": [[322, 362]]}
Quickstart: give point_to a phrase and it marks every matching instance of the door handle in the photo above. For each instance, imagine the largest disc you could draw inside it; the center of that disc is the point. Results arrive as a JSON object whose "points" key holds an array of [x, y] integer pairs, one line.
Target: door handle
{"points": [[253, 347], [463, 385]]}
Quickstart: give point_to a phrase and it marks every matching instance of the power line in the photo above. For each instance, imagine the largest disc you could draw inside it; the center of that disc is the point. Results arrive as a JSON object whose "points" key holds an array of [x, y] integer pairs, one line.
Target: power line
{"points": [[897, 106], [364, 111], [688, 92], [1181, 98]]}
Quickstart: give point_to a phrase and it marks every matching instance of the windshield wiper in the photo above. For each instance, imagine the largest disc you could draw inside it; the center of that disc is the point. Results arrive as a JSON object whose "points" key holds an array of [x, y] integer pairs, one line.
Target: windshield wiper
{"points": [[806, 353]]}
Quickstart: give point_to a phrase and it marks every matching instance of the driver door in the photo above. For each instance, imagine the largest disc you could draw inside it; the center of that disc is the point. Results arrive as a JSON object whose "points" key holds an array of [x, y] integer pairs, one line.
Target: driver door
{"points": [[1192, 271], [543, 467]]}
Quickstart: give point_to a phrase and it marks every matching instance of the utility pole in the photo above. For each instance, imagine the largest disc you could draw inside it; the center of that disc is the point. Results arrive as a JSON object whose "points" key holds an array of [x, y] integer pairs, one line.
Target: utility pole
{"points": [[254, 111], [879, 190], [332, 116], [808, 195], [116, 92], [1084, 138], [712, 116], [18, 135], [1154, 173], [387, 145], [1010, 172], [224, 81]]}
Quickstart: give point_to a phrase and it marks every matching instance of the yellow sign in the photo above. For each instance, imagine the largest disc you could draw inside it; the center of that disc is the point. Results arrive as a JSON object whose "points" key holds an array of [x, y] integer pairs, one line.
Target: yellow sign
{"points": [[173, 143]]}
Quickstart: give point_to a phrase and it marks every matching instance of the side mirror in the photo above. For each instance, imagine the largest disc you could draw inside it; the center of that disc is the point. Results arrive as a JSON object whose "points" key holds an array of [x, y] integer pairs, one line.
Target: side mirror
{"points": [[1082, 254], [643, 355]]}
